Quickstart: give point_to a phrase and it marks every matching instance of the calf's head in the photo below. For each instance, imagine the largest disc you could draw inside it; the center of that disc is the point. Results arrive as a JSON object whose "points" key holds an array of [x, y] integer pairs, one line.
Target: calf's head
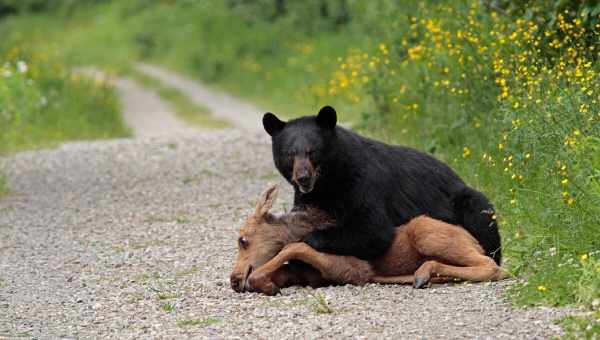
{"points": [[261, 238]]}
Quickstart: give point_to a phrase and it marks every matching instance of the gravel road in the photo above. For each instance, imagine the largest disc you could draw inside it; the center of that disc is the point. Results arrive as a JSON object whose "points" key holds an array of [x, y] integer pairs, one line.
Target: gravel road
{"points": [[241, 114], [135, 238]]}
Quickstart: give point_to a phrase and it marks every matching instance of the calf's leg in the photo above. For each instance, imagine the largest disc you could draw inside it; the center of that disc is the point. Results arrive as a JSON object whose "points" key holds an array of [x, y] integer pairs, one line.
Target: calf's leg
{"points": [[454, 253], [479, 272], [333, 268], [406, 279]]}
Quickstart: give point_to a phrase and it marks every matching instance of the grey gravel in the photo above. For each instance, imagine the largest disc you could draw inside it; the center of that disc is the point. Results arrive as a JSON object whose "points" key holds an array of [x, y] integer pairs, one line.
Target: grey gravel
{"points": [[148, 115], [135, 238], [240, 114], [144, 112]]}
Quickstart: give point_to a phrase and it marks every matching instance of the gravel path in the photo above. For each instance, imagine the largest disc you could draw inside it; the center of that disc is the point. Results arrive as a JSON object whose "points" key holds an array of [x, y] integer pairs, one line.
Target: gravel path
{"points": [[240, 114], [136, 238], [146, 114]]}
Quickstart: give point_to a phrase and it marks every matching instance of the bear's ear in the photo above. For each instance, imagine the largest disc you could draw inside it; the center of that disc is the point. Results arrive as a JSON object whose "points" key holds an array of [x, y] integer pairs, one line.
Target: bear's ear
{"points": [[327, 118], [272, 124]]}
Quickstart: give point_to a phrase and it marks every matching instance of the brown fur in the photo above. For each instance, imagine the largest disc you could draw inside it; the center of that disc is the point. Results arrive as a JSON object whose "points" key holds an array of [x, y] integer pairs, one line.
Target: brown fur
{"points": [[304, 173], [266, 234], [424, 250]]}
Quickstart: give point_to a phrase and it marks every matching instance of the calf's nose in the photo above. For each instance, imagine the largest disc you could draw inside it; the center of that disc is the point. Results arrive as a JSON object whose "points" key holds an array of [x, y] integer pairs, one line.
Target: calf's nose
{"points": [[236, 283]]}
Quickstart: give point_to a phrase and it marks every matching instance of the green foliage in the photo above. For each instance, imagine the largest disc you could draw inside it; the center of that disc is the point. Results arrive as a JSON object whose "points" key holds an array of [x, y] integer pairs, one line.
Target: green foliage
{"points": [[582, 326], [11, 7], [309, 16], [43, 103], [548, 13]]}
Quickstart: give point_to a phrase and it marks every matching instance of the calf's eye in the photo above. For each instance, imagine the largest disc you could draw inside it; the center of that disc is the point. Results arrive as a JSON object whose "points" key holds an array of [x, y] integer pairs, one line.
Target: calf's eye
{"points": [[243, 242]]}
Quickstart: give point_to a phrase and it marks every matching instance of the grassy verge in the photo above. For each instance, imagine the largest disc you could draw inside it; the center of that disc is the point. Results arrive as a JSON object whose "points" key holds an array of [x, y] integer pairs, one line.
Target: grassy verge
{"points": [[582, 327], [511, 102], [184, 108], [3, 185], [43, 104]]}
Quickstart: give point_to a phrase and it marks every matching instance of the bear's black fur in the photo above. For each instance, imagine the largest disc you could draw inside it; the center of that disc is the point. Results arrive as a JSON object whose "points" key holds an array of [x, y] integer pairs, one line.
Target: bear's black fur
{"points": [[370, 187]]}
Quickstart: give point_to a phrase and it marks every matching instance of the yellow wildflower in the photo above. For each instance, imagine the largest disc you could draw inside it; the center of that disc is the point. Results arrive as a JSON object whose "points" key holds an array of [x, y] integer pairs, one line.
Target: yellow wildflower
{"points": [[466, 152]]}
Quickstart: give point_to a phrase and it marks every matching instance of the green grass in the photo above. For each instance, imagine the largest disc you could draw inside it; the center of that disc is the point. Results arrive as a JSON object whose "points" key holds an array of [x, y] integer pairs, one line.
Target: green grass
{"points": [[144, 278], [3, 185], [44, 104], [315, 302], [186, 271], [320, 305], [184, 108], [167, 307], [24, 335], [197, 322], [167, 295], [581, 327]]}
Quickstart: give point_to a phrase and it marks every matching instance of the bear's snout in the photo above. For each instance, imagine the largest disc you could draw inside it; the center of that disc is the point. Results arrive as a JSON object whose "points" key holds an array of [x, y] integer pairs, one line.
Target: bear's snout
{"points": [[304, 180], [304, 174]]}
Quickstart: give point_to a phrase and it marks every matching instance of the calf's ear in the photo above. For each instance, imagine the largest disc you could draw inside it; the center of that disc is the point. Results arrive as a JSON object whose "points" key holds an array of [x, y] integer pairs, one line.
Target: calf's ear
{"points": [[272, 124], [327, 117], [266, 200]]}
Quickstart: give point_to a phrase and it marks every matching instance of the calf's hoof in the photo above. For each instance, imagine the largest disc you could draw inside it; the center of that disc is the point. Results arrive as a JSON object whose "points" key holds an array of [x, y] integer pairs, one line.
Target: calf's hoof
{"points": [[270, 289], [421, 282]]}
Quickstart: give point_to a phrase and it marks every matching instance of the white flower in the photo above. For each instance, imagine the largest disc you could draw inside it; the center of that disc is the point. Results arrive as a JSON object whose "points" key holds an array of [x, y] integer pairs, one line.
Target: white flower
{"points": [[44, 101], [22, 66], [552, 251]]}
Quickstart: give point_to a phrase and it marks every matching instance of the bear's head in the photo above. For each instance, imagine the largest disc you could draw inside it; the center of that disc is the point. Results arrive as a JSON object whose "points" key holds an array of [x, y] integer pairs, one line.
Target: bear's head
{"points": [[302, 147]]}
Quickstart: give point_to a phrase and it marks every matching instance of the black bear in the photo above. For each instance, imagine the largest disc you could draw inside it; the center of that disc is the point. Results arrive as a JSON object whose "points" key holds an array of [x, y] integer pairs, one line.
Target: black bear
{"points": [[370, 187]]}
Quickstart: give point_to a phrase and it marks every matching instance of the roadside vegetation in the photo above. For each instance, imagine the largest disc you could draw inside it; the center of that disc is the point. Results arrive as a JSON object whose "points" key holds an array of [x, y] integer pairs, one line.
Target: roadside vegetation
{"points": [[43, 103], [3, 185], [505, 91]]}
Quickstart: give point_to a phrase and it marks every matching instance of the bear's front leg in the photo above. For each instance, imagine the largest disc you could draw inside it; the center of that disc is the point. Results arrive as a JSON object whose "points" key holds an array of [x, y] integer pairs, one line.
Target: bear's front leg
{"points": [[363, 242]]}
